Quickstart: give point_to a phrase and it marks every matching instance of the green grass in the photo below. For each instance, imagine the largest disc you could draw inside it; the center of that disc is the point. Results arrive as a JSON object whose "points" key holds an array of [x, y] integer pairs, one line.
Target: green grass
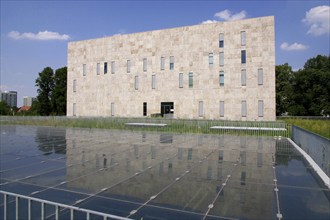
{"points": [[320, 127]]}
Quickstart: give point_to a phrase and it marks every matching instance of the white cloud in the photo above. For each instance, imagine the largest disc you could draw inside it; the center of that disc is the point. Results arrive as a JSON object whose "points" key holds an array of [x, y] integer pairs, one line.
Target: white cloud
{"points": [[318, 20], [209, 21], [294, 46], [226, 15], [42, 35]]}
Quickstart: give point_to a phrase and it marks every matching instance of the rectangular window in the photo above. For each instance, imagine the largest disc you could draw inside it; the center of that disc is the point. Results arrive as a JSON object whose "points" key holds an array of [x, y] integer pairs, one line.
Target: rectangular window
{"points": [[112, 109], [259, 159], [84, 69], [153, 82], [128, 66], [243, 38], [180, 80], [74, 85], [98, 69], [221, 40], [222, 108], [145, 64], [243, 77], [221, 78], [260, 76], [200, 109], [191, 80], [171, 62], [260, 108], [190, 152], [221, 59], [74, 109], [243, 56], [243, 178], [244, 108], [105, 68], [210, 58], [162, 63], [136, 83], [144, 109], [113, 67]]}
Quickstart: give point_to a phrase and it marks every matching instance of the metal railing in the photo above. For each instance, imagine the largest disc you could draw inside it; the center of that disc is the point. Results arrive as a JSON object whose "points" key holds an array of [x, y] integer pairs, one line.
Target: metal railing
{"points": [[256, 128], [56, 214]]}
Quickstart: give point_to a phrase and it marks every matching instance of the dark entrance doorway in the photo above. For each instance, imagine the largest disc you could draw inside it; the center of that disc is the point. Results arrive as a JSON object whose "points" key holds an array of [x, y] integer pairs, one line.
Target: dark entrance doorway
{"points": [[166, 108], [145, 109]]}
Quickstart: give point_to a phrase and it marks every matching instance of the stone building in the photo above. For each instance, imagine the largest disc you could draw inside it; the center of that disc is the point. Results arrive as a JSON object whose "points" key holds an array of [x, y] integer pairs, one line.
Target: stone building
{"points": [[223, 70]]}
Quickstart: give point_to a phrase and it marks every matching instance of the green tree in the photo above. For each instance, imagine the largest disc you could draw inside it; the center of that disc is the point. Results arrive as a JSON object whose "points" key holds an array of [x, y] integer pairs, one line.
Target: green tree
{"points": [[4, 108], [59, 92], [305, 92], [45, 82], [284, 76]]}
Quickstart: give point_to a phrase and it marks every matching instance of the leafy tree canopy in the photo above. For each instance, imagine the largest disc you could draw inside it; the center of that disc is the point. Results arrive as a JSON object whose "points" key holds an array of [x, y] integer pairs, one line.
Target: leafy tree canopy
{"points": [[306, 91]]}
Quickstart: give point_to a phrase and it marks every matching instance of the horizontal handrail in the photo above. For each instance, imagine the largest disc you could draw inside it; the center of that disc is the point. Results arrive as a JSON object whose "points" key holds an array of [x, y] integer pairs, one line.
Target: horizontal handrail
{"points": [[72, 208]]}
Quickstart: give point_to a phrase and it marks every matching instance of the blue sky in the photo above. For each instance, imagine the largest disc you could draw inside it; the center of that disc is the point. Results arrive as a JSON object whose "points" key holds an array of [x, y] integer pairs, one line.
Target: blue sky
{"points": [[35, 34]]}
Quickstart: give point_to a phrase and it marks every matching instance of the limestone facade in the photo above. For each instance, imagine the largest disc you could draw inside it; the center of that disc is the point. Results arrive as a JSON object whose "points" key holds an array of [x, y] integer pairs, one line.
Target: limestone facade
{"points": [[197, 68]]}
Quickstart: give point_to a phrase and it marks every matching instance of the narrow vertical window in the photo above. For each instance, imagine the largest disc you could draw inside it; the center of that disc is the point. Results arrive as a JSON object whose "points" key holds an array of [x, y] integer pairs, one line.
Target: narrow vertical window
{"points": [[221, 59], [260, 76], [128, 66], [162, 63], [171, 62], [260, 108], [144, 109], [105, 68], [153, 81], [136, 83], [145, 64], [84, 69], [74, 85], [210, 59], [243, 178], [221, 78], [74, 109], [259, 159], [221, 40], [98, 69], [190, 153], [113, 67], [243, 77], [112, 109], [243, 158], [191, 80], [180, 80], [243, 56], [200, 109], [222, 108], [244, 108], [243, 38]]}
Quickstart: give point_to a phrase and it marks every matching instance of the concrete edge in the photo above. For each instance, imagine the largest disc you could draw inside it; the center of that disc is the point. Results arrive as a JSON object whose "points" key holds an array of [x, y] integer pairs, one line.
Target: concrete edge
{"points": [[316, 168]]}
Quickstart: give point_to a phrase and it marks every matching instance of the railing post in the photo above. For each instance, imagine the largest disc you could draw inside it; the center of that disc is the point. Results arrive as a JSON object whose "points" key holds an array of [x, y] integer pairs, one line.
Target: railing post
{"points": [[5, 198], [57, 212], [17, 208], [29, 210], [42, 211], [71, 214], [87, 215]]}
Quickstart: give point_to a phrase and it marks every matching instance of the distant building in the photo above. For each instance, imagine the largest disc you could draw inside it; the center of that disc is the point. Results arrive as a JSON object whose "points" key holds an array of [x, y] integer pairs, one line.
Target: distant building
{"points": [[28, 100], [223, 70], [9, 97]]}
